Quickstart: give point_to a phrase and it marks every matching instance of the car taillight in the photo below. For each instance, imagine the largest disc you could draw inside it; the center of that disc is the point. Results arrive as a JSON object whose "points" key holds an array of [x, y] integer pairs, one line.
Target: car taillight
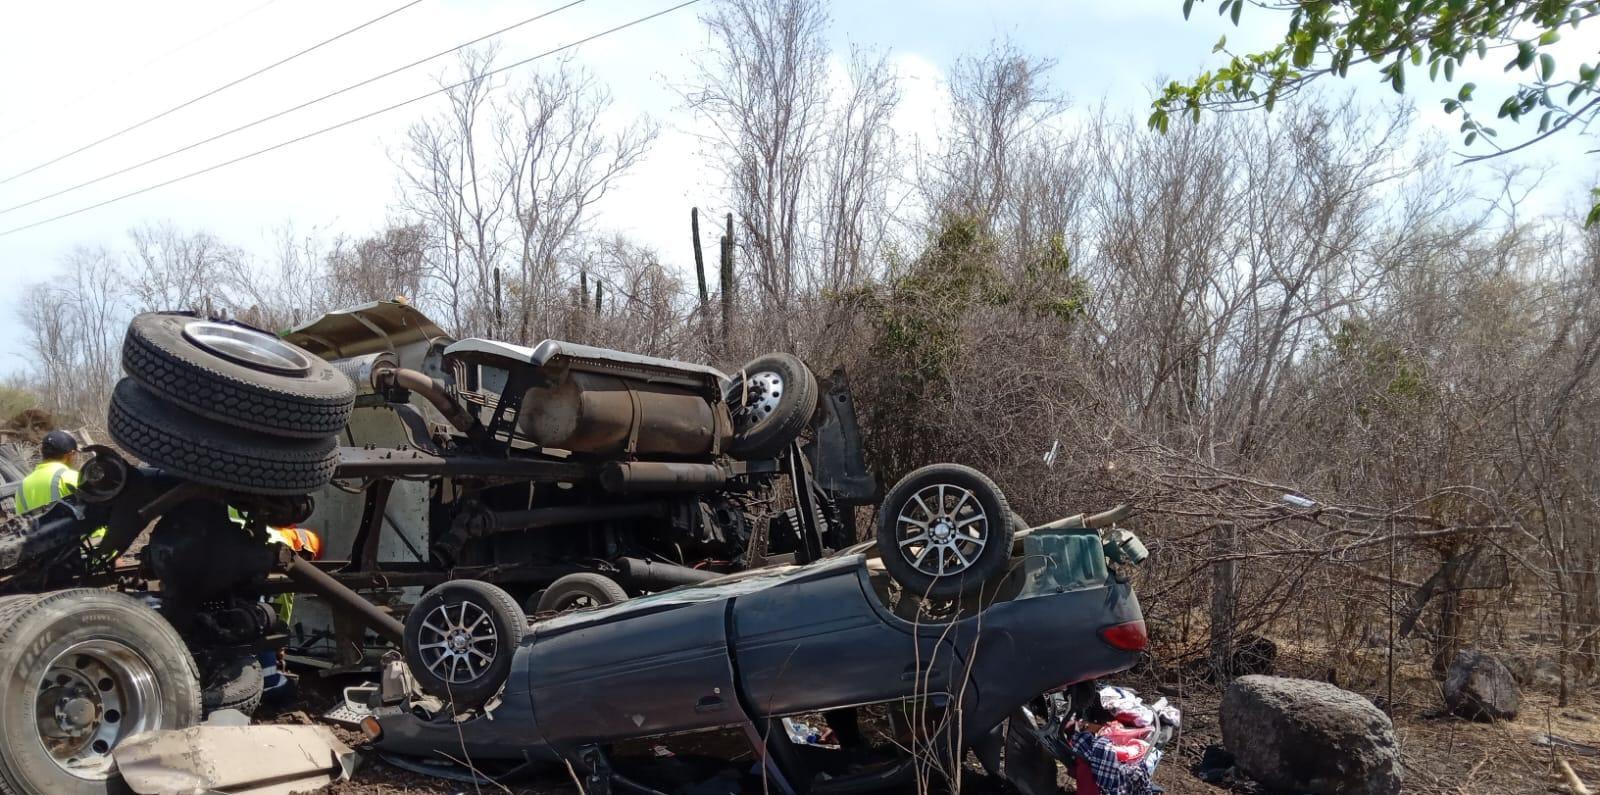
{"points": [[1127, 637]]}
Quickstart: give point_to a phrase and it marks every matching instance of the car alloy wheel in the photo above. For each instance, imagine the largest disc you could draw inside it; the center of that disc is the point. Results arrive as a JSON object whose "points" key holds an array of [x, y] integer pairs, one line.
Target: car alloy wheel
{"points": [[942, 529]]}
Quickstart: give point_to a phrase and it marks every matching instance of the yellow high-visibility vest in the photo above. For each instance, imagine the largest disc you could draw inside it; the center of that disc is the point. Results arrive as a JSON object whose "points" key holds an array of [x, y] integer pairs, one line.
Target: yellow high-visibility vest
{"points": [[48, 482]]}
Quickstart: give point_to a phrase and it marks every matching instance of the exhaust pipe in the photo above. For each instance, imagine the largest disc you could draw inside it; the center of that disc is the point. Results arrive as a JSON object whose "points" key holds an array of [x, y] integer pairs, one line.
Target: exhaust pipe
{"points": [[623, 477], [381, 371], [652, 575]]}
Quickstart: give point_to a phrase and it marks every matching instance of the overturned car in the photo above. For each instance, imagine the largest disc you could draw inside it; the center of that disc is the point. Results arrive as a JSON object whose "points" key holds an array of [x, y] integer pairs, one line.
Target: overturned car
{"points": [[749, 650]]}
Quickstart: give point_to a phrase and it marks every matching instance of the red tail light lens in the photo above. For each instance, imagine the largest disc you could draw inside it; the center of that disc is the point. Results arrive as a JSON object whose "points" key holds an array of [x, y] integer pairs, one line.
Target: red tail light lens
{"points": [[1127, 637]]}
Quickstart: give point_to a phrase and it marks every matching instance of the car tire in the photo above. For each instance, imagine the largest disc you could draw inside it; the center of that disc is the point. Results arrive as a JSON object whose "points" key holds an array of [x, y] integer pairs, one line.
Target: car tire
{"points": [[580, 591], [236, 684], [923, 545], [237, 375], [771, 405], [209, 452], [119, 659], [459, 640]]}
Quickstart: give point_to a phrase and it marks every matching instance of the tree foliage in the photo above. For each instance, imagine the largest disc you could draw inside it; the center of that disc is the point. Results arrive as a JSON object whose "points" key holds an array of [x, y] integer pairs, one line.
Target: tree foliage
{"points": [[1401, 39]]}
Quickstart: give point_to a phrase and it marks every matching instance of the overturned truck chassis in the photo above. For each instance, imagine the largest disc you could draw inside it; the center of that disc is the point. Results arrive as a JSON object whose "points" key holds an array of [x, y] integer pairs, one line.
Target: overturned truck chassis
{"points": [[497, 504]]}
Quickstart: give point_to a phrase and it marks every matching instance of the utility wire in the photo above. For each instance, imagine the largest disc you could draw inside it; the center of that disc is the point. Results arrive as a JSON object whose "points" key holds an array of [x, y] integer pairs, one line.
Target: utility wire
{"points": [[211, 93], [124, 76], [286, 111], [348, 122]]}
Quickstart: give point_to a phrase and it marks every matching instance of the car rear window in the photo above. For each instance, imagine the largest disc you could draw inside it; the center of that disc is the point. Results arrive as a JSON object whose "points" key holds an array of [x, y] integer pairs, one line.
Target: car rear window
{"points": [[1062, 560]]}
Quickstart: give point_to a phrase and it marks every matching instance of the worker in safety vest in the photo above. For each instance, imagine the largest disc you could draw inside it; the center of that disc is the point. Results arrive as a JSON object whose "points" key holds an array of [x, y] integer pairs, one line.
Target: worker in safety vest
{"points": [[54, 477], [276, 688]]}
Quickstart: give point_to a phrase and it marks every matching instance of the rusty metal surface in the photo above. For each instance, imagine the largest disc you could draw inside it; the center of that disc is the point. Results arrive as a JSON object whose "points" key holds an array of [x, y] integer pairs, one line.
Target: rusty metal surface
{"points": [[587, 358], [374, 327], [606, 415], [365, 462]]}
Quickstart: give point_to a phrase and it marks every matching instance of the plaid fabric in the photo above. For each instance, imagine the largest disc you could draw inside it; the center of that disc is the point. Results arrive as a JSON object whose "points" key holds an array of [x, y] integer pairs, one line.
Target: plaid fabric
{"points": [[1111, 776]]}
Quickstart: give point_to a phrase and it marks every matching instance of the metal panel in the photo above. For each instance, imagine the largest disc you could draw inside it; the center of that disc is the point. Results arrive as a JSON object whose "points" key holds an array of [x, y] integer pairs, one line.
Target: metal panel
{"points": [[659, 673], [589, 358], [820, 643], [391, 326]]}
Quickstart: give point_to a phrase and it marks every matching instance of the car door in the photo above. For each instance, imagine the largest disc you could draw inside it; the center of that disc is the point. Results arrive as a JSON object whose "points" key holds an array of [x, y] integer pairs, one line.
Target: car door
{"points": [[649, 672], [820, 642]]}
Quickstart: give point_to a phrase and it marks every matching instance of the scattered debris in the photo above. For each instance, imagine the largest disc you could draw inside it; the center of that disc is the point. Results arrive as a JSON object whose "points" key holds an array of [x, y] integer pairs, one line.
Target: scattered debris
{"points": [[1309, 737], [242, 760], [1479, 686], [1574, 784], [1570, 746], [442, 769], [1216, 767], [227, 717], [357, 704]]}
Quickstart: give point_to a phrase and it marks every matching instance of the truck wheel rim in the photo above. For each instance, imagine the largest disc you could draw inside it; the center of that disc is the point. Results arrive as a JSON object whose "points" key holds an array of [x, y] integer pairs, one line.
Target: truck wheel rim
{"points": [[92, 695], [761, 395], [458, 643], [942, 529], [248, 347]]}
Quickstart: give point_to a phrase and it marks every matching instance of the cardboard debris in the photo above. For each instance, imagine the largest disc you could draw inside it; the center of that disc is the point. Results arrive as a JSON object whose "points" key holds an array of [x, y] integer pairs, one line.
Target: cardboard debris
{"points": [[242, 760]]}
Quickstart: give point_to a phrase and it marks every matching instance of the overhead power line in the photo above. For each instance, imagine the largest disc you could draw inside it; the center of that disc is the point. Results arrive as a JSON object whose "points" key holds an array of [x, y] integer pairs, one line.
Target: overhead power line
{"points": [[286, 111], [123, 77], [213, 92], [348, 122]]}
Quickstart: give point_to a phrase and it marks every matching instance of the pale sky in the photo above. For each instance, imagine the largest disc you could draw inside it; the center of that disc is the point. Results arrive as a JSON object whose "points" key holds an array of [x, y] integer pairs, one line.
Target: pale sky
{"points": [[76, 70]]}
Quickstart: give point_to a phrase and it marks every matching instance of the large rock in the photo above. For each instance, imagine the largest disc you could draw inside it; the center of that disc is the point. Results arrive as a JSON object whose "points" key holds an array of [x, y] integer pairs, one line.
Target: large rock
{"points": [[1301, 736], [1478, 686]]}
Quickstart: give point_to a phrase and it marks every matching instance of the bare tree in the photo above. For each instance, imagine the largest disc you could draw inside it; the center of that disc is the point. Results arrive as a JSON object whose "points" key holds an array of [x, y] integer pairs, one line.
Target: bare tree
{"points": [[386, 266], [291, 286], [763, 88], [559, 161], [1001, 102], [859, 166], [451, 181], [171, 269], [75, 327]]}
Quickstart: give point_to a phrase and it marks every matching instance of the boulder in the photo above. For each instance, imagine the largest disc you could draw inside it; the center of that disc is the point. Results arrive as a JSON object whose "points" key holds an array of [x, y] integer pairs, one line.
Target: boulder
{"points": [[1478, 686], [1298, 735]]}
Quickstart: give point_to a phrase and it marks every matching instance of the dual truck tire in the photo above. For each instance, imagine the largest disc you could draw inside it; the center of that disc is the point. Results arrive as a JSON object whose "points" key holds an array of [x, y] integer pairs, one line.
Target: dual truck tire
{"points": [[228, 405], [80, 670]]}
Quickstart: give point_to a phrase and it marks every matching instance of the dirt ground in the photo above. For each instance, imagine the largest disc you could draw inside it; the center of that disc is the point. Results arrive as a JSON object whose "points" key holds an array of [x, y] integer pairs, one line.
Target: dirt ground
{"points": [[1441, 754]]}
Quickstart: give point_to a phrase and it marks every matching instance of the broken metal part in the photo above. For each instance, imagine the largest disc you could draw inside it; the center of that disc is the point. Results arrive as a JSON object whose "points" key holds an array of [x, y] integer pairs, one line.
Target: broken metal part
{"points": [[240, 760], [369, 328], [836, 457]]}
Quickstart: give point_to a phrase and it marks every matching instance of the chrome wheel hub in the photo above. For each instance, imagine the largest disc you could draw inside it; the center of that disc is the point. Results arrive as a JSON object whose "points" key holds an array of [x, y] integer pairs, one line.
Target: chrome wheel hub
{"points": [[248, 347], [759, 398], [942, 529], [91, 696], [458, 643]]}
